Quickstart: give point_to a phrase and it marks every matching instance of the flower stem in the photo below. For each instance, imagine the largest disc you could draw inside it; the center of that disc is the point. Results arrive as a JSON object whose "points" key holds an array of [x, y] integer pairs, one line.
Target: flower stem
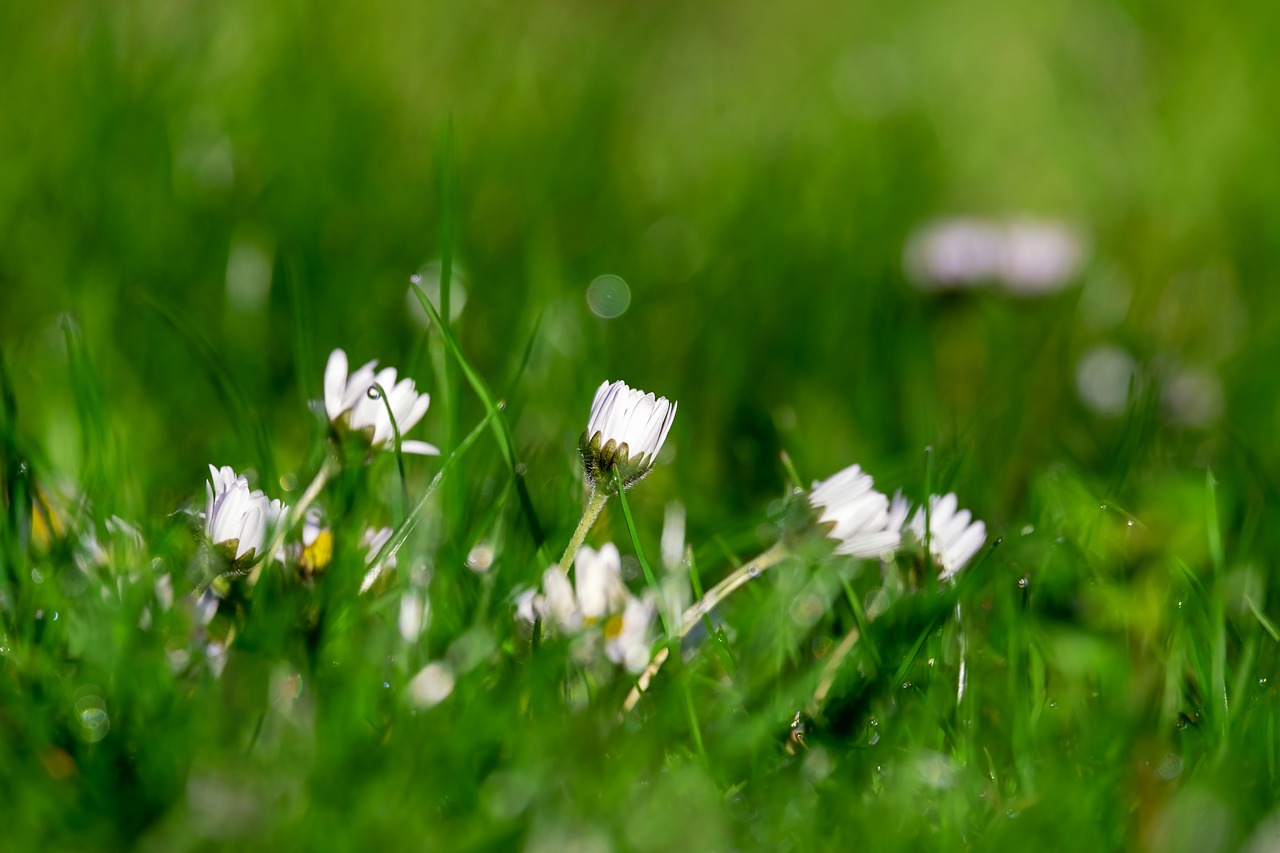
{"points": [[739, 578], [589, 515]]}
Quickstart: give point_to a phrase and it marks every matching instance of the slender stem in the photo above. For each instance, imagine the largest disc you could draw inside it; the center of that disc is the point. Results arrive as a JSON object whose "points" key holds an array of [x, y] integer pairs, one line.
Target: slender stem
{"points": [[377, 391], [739, 578], [829, 671], [596, 503], [700, 608], [644, 564]]}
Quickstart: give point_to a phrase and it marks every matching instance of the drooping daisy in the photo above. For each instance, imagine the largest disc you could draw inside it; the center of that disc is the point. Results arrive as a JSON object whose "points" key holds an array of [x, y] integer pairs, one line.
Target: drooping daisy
{"points": [[953, 538], [625, 431], [238, 518], [863, 523], [354, 407]]}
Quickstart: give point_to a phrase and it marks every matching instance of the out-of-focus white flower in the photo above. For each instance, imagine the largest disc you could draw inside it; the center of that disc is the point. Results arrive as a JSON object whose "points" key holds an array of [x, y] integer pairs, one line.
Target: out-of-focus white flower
{"points": [[1193, 396], [558, 604], [598, 580], [317, 544], [1039, 257], [350, 407], [432, 685], [625, 431], [373, 541], [953, 539], [413, 616], [626, 635], [1104, 377], [600, 605], [236, 517], [1026, 257], [860, 518]]}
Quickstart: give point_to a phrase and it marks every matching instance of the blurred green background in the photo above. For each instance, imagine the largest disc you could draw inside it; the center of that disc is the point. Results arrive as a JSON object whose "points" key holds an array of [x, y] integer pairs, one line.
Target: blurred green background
{"points": [[272, 173], [752, 172]]}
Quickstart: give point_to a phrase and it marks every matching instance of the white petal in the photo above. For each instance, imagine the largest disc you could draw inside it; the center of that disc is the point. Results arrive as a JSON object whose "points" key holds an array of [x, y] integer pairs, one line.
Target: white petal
{"points": [[419, 448], [335, 382]]}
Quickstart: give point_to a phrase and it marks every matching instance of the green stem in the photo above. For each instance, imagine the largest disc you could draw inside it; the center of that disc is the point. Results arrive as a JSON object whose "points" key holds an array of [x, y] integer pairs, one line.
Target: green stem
{"points": [[700, 608], [380, 392], [596, 503]]}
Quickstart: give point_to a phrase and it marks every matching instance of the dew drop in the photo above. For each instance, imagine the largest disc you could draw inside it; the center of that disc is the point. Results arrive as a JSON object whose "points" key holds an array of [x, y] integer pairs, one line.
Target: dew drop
{"points": [[1022, 583]]}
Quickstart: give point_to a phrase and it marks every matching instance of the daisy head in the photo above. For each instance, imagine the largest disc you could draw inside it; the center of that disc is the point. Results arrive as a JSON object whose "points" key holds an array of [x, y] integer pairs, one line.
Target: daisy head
{"points": [[862, 522], [355, 406], [625, 431], [953, 537], [237, 518]]}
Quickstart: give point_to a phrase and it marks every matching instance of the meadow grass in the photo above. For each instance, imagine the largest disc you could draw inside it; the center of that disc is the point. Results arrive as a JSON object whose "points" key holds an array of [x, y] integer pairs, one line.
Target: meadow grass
{"points": [[196, 209]]}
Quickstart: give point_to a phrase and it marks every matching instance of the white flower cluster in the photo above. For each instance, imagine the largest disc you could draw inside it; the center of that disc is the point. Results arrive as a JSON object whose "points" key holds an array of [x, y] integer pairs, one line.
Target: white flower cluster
{"points": [[1026, 257], [237, 518], [596, 602], [868, 525]]}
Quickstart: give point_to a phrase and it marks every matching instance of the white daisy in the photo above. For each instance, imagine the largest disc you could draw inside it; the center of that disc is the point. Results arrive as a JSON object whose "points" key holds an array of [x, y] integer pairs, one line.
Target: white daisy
{"points": [[626, 635], [598, 604], [953, 540], [598, 582], [236, 517], [625, 430], [351, 408], [863, 523]]}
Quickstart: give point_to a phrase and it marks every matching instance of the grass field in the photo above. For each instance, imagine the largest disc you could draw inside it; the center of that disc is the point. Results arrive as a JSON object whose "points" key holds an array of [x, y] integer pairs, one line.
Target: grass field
{"points": [[1024, 253]]}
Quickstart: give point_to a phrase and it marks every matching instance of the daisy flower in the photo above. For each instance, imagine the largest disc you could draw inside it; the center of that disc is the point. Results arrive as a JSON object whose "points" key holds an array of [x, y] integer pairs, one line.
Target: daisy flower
{"points": [[625, 431], [598, 598], [626, 634], [353, 409], [236, 517], [953, 538], [863, 522]]}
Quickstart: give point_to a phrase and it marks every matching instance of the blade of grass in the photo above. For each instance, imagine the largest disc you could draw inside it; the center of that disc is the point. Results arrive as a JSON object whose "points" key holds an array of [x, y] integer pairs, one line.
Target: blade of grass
{"points": [[96, 436], [498, 425], [245, 418], [649, 577], [1218, 664], [406, 527]]}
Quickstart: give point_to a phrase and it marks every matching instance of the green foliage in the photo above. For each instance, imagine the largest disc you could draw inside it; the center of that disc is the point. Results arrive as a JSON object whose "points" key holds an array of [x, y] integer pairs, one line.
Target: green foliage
{"points": [[198, 203]]}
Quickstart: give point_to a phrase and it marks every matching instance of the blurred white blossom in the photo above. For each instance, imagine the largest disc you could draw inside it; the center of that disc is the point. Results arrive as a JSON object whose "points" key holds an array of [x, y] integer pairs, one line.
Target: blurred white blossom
{"points": [[953, 538], [861, 523], [1026, 257]]}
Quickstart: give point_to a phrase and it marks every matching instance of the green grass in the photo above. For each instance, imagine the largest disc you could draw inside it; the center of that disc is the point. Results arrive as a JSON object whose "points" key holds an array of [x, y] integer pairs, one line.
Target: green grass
{"points": [[753, 173]]}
